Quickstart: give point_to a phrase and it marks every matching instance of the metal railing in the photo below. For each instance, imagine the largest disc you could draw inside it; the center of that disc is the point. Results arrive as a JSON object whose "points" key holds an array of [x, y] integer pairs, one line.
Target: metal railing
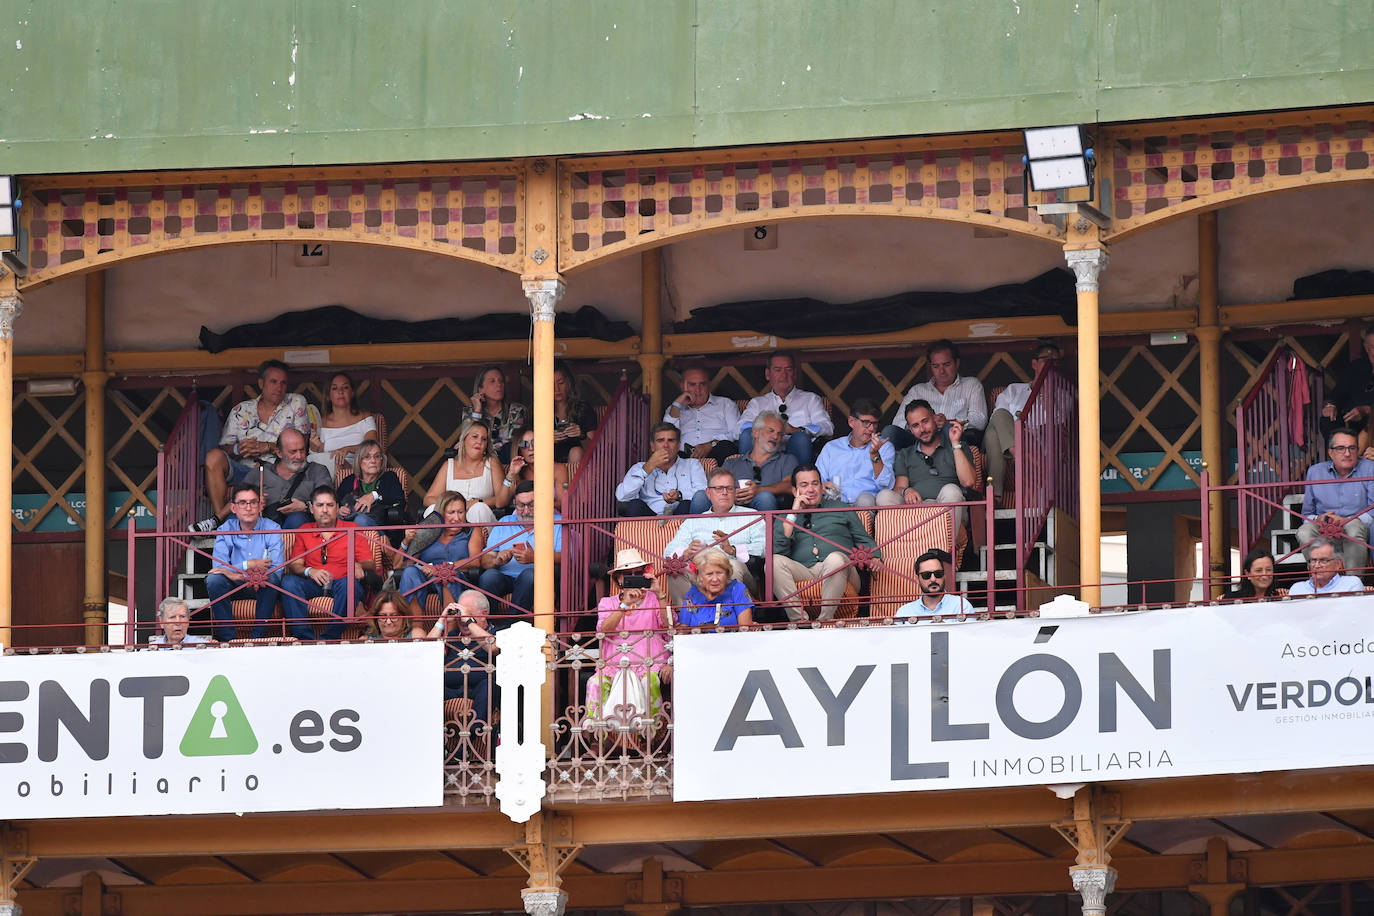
{"points": [[181, 496], [1277, 437], [1046, 428], [1269, 497], [621, 438]]}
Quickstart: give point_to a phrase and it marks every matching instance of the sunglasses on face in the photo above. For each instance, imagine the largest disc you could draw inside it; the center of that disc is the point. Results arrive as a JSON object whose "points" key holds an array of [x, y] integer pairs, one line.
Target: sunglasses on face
{"points": [[931, 574]]}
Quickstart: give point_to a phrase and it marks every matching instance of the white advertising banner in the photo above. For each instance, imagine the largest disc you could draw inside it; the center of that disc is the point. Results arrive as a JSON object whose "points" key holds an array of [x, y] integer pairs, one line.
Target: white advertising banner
{"points": [[1185, 692], [198, 731]]}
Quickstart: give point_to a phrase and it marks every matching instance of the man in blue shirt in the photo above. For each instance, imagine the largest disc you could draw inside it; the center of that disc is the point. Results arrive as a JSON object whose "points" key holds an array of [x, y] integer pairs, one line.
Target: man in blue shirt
{"points": [[508, 564], [932, 568], [1324, 568], [861, 462], [236, 554], [664, 484], [1340, 507]]}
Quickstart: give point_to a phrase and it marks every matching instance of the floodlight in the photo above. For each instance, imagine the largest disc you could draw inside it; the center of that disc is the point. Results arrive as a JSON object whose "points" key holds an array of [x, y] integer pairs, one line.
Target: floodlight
{"points": [[1055, 142], [8, 206], [1057, 174], [6, 190]]}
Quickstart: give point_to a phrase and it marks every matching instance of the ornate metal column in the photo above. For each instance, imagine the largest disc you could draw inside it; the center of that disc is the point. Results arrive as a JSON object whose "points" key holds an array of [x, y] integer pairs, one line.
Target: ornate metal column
{"points": [[95, 604], [651, 329], [547, 850], [11, 304], [1087, 257], [15, 860], [1094, 829], [1209, 372]]}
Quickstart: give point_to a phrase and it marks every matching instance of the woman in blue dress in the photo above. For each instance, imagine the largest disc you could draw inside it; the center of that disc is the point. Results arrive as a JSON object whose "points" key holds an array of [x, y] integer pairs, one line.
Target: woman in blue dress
{"points": [[716, 599], [457, 542]]}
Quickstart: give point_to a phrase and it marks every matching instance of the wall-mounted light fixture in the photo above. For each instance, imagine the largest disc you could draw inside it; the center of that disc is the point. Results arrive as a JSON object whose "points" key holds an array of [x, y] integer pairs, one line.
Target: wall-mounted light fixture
{"points": [[1060, 159]]}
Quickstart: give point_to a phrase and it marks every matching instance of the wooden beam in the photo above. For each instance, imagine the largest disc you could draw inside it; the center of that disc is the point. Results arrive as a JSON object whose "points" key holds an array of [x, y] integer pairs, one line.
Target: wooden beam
{"points": [[121, 837], [710, 888]]}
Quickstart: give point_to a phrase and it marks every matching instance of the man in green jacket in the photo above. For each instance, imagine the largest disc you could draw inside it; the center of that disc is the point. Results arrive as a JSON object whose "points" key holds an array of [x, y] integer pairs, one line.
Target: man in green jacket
{"points": [[815, 545]]}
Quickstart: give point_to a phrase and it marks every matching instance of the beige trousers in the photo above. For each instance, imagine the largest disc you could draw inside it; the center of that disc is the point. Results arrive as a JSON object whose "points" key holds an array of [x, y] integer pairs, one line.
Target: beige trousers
{"points": [[787, 573]]}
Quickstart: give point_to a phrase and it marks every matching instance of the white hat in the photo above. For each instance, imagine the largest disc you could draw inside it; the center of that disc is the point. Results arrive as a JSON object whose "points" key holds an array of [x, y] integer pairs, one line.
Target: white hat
{"points": [[629, 558]]}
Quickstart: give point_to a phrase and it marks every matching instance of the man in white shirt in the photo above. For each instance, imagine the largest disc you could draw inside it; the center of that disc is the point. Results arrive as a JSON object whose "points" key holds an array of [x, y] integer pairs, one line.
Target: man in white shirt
{"points": [[950, 395], [803, 413], [1324, 568], [1001, 432], [664, 484], [709, 423], [861, 461], [724, 520], [932, 568]]}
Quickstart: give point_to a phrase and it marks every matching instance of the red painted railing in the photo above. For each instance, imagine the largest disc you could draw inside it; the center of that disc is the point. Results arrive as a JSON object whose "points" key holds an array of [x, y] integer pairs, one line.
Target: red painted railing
{"points": [[621, 439], [1046, 463], [1277, 438], [181, 496]]}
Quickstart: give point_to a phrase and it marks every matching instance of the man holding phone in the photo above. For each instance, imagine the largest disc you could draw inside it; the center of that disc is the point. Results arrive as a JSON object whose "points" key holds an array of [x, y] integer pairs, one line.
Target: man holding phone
{"points": [[720, 528], [862, 462], [951, 396]]}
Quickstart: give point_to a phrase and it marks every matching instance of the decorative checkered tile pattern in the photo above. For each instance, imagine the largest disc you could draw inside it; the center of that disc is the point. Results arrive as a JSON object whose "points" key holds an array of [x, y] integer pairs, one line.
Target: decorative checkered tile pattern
{"points": [[476, 212], [615, 203], [1161, 167]]}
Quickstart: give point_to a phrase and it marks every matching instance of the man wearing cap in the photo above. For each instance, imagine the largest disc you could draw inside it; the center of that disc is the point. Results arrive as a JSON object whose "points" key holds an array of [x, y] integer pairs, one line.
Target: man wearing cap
{"points": [[932, 568], [508, 563], [815, 545]]}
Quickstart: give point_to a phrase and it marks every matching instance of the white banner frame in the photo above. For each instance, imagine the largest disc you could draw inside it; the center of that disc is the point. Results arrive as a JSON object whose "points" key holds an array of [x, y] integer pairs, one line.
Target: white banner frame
{"points": [[1151, 694], [217, 730]]}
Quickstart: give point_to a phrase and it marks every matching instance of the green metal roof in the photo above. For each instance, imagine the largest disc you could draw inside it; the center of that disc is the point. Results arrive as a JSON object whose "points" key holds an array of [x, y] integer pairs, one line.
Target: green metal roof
{"points": [[97, 85]]}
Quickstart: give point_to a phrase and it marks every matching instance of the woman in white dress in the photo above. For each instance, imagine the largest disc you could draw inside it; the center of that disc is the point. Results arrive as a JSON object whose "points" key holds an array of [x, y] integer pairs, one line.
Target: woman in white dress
{"points": [[343, 427], [476, 472]]}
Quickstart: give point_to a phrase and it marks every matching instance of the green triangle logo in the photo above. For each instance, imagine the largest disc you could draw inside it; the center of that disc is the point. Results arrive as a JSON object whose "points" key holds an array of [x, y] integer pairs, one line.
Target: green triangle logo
{"points": [[219, 727]]}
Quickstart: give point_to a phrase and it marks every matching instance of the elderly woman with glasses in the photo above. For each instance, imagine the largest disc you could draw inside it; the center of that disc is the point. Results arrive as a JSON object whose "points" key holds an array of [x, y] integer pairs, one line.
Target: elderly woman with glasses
{"points": [[373, 495], [717, 598]]}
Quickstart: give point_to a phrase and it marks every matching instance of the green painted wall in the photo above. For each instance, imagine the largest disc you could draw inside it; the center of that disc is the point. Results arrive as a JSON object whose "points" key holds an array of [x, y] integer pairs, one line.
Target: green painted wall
{"points": [[88, 85]]}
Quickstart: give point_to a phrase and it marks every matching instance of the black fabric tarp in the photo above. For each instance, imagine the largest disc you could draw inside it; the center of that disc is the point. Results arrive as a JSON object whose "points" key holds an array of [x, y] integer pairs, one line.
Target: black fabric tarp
{"points": [[1051, 293], [335, 325], [1332, 284]]}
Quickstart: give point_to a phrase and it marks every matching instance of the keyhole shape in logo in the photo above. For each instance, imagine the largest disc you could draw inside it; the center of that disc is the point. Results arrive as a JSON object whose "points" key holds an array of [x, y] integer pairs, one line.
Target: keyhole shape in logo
{"points": [[219, 727]]}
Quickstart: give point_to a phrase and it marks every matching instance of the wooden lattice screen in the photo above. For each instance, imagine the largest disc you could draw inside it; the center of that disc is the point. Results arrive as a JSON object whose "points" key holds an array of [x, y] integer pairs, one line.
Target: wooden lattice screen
{"points": [[1149, 404]]}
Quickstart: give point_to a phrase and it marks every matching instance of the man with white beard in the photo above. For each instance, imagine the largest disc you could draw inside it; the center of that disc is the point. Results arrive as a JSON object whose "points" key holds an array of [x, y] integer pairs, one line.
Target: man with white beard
{"points": [[287, 485]]}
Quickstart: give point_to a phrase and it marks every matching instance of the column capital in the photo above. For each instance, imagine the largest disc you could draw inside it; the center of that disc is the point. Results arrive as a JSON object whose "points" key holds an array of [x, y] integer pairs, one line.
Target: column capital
{"points": [[544, 902], [11, 305], [1087, 264], [543, 293], [1094, 883]]}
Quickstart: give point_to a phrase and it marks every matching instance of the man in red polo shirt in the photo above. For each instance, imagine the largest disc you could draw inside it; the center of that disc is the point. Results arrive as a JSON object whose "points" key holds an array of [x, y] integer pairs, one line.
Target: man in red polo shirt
{"points": [[319, 566]]}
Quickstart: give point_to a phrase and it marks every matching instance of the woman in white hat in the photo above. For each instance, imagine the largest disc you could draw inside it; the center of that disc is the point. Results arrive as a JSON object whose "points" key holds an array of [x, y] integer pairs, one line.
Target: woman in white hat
{"points": [[634, 652]]}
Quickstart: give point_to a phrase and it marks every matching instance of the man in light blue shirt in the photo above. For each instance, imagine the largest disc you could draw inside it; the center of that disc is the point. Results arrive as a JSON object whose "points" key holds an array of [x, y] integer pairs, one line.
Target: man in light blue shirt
{"points": [[932, 568], [236, 555], [508, 564], [724, 518], [1344, 505], [1324, 570], [862, 462], [664, 484]]}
